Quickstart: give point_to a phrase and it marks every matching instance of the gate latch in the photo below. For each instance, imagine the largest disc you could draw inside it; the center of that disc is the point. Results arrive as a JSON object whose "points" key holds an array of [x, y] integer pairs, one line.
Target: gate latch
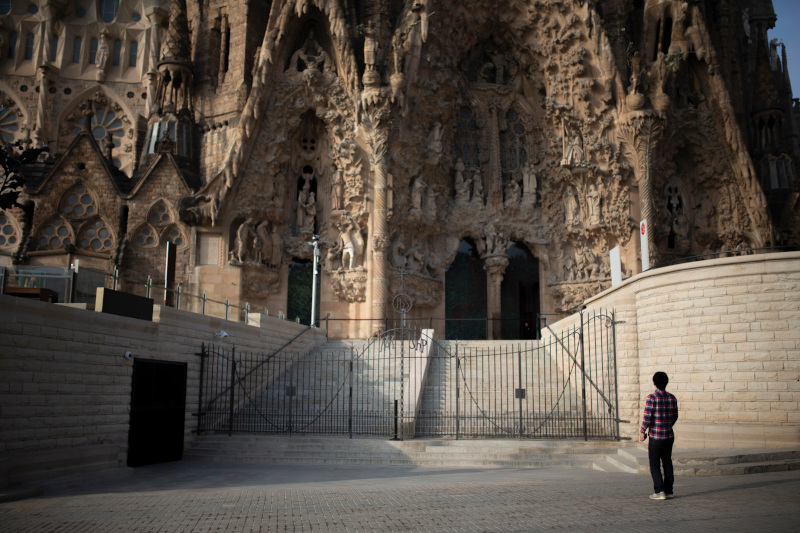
{"points": [[519, 394]]}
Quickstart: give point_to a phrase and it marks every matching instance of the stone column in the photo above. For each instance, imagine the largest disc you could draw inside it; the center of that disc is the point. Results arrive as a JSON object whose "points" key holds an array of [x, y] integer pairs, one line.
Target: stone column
{"points": [[638, 136], [41, 126], [496, 266], [49, 12], [380, 236], [495, 173], [156, 16]]}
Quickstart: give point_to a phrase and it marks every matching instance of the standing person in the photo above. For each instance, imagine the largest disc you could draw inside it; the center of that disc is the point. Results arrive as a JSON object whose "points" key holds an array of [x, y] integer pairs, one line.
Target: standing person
{"points": [[660, 414]]}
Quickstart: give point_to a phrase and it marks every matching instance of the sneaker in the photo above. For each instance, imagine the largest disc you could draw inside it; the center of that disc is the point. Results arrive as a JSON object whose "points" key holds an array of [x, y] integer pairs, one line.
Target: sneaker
{"points": [[670, 495], [658, 496]]}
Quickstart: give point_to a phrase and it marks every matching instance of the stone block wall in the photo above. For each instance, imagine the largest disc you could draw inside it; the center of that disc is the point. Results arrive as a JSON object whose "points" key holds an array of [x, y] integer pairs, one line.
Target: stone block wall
{"points": [[727, 332], [65, 385]]}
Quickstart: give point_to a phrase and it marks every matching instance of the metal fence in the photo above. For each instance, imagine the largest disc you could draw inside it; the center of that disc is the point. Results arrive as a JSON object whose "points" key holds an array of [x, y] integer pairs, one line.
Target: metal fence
{"points": [[403, 384]]}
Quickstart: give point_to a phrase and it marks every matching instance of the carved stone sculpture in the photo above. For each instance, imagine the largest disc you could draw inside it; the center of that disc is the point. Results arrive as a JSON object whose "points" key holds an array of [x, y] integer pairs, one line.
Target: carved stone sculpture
{"points": [[462, 185], [594, 204], [529, 183], [244, 237]]}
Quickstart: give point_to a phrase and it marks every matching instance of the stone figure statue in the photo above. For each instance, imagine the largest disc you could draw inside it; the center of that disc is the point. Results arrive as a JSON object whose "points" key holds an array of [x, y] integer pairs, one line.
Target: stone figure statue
{"points": [[311, 213], [773, 53], [529, 183], [430, 203], [512, 193], [636, 72], [262, 242], [417, 190], [477, 186], [435, 146], [101, 57], [746, 22], [398, 252], [310, 56], [302, 200], [337, 192], [593, 201], [351, 243], [244, 236], [462, 185], [586, 262], [416, 259], [370, 48], [276, 252], [572, 207], [573, 146]]}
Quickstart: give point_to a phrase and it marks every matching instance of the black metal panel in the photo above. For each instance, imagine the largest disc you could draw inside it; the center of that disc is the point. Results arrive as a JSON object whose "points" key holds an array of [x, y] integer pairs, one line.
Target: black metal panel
{"points": [[158, 412]]}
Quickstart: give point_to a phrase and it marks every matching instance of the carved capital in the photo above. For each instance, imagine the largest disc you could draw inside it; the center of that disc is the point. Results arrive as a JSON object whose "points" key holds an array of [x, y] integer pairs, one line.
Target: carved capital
{"points": [[496, 265], [380, 243]]}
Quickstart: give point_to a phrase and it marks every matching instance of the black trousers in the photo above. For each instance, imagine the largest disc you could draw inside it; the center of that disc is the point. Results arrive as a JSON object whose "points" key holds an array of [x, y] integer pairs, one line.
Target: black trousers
{"points": [[659, 452]]}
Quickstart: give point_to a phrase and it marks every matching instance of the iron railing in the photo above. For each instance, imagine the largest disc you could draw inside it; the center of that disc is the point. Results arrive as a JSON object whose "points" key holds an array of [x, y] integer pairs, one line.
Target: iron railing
{"points": [[402, 384]]}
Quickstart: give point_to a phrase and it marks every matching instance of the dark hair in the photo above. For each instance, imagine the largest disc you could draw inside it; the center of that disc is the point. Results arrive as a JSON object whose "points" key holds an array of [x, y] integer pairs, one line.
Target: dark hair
{"points": [[660, 380]]}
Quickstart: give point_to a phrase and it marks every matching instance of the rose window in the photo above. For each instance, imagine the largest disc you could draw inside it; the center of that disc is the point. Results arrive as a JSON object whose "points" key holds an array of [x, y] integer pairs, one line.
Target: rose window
{"points": [[145, 237], [54, 235], [96, 237], [104, 122], [9, 127], [78, 202], [9, 236]]}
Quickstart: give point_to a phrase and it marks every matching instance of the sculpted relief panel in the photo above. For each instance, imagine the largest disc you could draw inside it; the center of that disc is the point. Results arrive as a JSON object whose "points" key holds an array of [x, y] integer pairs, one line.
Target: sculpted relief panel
{"points": [[537, 134]]}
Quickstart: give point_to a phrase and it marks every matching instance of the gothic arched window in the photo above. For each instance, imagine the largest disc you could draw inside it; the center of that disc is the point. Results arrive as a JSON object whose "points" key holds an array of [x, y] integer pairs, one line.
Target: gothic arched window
{"points": [[145, 236], [9, 232], [78, 202], [109, 10], [133, 51], [96, 236], [467, 138], [54, 235], [513, 154]]}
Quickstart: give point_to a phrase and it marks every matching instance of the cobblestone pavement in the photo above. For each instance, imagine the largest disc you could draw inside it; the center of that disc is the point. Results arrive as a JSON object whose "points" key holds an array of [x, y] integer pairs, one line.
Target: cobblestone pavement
{"points": [[208, 497]]}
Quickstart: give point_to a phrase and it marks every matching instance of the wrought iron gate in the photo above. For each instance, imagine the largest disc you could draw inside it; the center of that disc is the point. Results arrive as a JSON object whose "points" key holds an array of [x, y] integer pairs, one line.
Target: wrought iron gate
{"points": [[403, 383]]}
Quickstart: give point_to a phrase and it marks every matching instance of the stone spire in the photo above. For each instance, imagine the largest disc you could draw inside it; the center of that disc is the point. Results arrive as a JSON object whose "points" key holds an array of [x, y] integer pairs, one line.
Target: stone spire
{"points": [[174, 94], [171, 119], [177, 43]]}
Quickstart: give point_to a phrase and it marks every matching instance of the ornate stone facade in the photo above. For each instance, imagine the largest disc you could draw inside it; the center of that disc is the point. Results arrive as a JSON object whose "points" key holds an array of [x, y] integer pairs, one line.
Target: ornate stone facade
{"points": [[394, 130]]}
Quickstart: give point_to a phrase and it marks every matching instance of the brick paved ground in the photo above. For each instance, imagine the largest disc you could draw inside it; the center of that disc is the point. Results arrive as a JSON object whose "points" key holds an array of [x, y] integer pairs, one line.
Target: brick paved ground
{"points": [[201, 497]]}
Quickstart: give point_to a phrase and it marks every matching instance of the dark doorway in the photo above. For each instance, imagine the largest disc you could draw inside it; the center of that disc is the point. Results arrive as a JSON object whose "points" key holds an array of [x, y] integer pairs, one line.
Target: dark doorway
{"points": [[301, 280], [520, 294], [465, 295], [158, 412]]}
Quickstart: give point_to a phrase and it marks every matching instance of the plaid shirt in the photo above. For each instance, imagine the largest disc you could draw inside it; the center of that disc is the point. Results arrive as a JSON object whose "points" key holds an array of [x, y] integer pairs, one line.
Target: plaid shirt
{"points": [[660, 414]]}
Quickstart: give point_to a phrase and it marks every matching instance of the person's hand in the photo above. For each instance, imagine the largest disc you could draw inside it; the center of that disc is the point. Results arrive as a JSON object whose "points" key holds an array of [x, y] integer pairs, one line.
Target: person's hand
{"points": [[641, 436]]}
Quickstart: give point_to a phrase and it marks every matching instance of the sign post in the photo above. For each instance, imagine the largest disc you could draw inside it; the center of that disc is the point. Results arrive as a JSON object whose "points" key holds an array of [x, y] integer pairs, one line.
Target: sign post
{"points": [[645, 245]]}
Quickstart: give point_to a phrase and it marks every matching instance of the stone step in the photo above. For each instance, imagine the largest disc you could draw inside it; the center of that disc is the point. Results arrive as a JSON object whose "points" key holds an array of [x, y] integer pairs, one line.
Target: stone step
{"points": [[479, 453], [719, 462], [422, 452]]}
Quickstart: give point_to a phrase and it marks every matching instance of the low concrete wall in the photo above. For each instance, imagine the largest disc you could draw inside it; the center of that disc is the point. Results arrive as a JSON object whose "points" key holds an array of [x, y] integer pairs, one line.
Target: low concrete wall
{"points": [[727, 332], [65, 385]]}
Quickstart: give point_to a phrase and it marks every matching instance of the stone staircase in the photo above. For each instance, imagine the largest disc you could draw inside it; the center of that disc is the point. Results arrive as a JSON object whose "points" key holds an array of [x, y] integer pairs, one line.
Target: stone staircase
{"points": [[706, 462], [605, 456], [336, 450]]}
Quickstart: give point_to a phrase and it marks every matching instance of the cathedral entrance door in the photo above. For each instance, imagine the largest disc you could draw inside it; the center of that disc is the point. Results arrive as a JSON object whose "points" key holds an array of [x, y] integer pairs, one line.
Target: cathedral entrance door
{"points": [[520, 294], [465, 295]]}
